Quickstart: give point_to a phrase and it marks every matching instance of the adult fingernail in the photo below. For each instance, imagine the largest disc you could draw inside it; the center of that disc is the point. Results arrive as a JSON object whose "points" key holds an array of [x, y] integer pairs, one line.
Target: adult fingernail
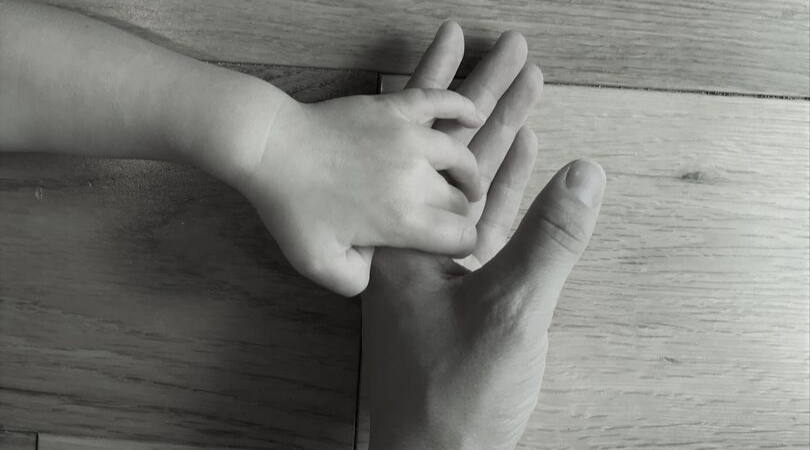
{"points": [[586, 180]]}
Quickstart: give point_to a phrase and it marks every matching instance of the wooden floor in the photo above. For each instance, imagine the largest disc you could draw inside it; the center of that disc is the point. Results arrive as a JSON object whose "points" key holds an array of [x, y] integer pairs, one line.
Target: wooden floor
{"points": [[143, 306], [716, 45]]}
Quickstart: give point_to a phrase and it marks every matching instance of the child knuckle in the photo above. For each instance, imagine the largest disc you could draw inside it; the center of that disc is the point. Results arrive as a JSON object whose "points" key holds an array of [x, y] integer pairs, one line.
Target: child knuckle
{"points": [[407, 136], [434, 97], [407, 218], [312, 263], [409, 97], [410, 174], [396, 209], [467, 236], [469, 161]]}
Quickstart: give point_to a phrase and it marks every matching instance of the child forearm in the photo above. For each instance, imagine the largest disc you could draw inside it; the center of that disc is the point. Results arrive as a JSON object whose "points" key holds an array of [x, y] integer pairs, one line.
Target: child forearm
{"points": [[74, 85], [330, 180]]}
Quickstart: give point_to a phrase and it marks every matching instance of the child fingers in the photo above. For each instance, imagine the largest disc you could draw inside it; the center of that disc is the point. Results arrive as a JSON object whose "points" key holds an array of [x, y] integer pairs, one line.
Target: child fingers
{"points": [[442, 194], [343, 272], [354, 271], [436, 231], [425, 105], [447, 154]]}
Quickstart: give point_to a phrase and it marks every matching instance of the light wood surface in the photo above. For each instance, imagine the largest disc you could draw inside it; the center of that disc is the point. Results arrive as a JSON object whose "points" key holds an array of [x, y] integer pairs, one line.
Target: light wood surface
{"points": [[685, 325], [719, 45], [11, 440], [58, 442], [144, 300]]}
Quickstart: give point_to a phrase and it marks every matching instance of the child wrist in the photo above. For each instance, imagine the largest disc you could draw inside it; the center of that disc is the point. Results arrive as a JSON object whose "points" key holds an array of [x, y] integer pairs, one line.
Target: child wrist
{"points": [[236, 138]]}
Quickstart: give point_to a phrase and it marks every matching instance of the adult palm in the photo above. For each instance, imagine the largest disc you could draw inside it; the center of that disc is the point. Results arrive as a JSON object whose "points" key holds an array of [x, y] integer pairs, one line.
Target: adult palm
{"points": [[455, 351]]}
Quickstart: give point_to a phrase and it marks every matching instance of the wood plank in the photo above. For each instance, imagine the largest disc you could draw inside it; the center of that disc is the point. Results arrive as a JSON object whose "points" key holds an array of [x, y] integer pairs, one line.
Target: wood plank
{"points": [[12, 440], [686, 323], [720, 45], [59, 442], [145, 300]]}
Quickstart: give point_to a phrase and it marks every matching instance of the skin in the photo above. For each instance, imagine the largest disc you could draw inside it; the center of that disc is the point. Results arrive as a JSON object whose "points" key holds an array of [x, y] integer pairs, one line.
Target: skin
{"points": [[455, 351], [317, 174]]}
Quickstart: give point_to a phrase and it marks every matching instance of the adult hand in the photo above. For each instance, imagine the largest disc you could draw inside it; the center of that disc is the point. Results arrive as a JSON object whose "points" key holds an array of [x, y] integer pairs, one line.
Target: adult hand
{"points": [[455, 353]]}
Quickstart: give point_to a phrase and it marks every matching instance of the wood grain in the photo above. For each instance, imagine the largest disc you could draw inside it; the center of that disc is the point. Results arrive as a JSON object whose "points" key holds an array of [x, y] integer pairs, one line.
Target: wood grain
{"points": [[686, 323], [145, 300], [720, 45], [11, 440], [58, 442]]}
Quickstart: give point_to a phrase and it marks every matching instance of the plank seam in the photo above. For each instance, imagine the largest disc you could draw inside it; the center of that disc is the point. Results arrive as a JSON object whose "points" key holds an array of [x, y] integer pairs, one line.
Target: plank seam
{"points": [[548, 83], [684, 91], [360, 359]]}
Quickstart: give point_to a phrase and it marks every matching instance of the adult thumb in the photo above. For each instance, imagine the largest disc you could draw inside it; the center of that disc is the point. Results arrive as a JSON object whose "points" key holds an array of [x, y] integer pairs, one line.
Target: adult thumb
{"points": [[553, 234]]}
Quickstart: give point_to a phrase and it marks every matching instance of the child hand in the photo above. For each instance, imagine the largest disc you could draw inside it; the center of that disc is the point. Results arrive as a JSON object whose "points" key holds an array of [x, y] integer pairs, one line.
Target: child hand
{"points": [[339, 177]]}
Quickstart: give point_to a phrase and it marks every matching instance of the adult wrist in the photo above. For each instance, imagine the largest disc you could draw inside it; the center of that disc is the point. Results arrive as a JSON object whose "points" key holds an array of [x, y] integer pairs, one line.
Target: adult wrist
{"points": [[443, 437]]}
